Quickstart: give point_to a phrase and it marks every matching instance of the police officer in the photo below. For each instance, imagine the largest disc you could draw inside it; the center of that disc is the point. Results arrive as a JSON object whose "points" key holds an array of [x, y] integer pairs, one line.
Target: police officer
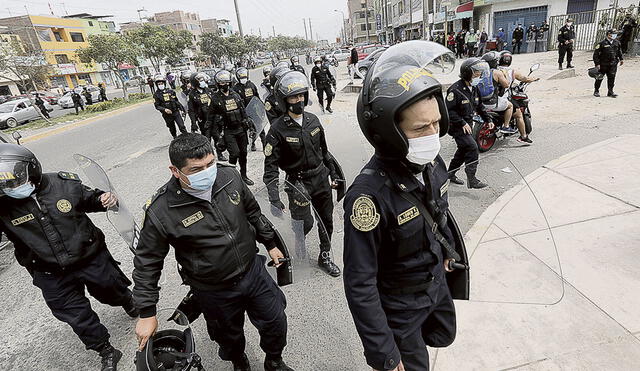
{"points": [[266, 84], [166, 101], [103, 92], [321, 80], [247, 90], [606, 57], [271, 105], [227, 115], [297, 145], [45, 216], [87, 96], [198, 107], [295, 65], [463, 102], [566, 38], [396, 238], [77, 101], [627, 27], [518, 35], [190, 212], [41, 106]]}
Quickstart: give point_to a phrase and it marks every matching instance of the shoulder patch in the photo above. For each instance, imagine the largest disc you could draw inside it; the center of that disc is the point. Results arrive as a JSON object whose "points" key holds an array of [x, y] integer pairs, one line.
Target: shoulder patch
{"points": [[68, 176], [267, 106], [598, 46], [364, 216], [153, 198], [268, 149], [450, 97]]}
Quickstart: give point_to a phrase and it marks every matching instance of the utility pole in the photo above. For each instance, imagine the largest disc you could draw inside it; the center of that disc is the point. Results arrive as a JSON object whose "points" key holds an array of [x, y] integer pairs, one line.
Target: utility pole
{"points": [[304, 21], [140, 11], [260, 31], [235, 2], [425, 19], [366, 12], [274, 30], [310, 30]]}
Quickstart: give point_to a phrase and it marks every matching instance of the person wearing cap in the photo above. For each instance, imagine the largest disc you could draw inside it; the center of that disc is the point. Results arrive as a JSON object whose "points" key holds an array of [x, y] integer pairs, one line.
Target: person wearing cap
{"points": [[566, 38], [606, 56], [396, 260]]}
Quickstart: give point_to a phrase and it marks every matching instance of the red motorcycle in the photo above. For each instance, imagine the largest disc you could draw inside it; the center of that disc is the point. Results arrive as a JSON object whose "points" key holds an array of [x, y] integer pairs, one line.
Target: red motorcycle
{"points": [[486, 137]]}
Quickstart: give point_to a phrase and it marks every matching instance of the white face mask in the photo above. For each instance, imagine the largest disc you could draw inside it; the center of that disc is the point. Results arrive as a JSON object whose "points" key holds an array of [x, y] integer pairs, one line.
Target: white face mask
{"points": [[161, 86], [475, 81], [614, 36], [243, 81], [424, 149]]}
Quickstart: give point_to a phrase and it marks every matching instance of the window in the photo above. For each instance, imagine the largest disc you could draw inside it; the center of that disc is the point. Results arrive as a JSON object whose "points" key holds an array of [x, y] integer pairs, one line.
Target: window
{"points": [[577, 6], [61, 58], [43, 33], [91, 23], [57, 36], [363, 27], [76, 37]]}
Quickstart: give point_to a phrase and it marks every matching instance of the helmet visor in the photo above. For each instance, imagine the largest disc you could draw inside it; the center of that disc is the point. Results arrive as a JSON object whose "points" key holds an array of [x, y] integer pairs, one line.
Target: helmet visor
{"points": [[292, 83], [419, 57], [13, 174]]}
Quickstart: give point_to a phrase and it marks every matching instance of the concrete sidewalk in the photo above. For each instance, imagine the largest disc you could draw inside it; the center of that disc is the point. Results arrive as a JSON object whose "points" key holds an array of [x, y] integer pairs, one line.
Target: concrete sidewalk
{"points": [[578, 309]]}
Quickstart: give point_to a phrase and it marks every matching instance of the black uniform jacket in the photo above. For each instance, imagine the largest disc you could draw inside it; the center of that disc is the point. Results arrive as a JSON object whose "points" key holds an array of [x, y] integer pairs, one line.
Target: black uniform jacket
{"points": [[198, 104], [227, 111], [296, 149], [321, 77], [52, 232], [246, 91], [566, 34], [387, 244], [167, 99], [214, 242], [607, 53], [271, 105], [463, 102]]}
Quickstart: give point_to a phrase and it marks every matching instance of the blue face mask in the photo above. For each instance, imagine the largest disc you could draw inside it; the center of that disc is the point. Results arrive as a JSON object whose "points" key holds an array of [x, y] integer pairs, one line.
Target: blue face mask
{"points": [[475, 81], [203, 180], [21, 191], [203, 84]]}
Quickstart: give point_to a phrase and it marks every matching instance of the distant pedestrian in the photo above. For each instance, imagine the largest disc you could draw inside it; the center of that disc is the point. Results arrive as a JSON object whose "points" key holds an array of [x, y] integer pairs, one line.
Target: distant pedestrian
{"points": [[87, 96], [482, 45], [103, 92], [518, 35], [499, 36], [566, 38], [627, 26], [460, 44], [41, 106], [606, 57], [471, 39], [353, 61], [171, 79], [77, 101], [151, 84], [451, 42]]}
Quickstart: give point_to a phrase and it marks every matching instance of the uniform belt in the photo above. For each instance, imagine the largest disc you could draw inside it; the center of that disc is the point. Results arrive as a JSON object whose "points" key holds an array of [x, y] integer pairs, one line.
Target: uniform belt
{"points": [[403, 287], [303, 174]]}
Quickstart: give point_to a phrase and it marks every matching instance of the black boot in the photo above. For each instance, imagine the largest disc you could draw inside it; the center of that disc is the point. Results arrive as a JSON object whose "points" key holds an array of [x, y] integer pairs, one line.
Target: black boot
{"points": [[329, 109], [327, 265], [110, 357], [569, 65], [560, 66], [253, 147], [130, 308], [242, 364], [611, 94], [596, 93], [322, 108], [275, 364], [475, 183], [246, 180], [455, 180]]}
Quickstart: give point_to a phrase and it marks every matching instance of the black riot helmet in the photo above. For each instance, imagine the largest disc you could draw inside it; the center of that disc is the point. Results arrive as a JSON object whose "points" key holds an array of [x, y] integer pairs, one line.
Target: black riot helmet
{"points": [[491, 58], [169, 350], [317, 59], [505, 58], [196, 78], [159, 79], [266, 70], [277, 72], [402, 75], [470, 65], [281, 63], [223, 77], [17, 166], [294, 60], [290, 84], [242, 73]]}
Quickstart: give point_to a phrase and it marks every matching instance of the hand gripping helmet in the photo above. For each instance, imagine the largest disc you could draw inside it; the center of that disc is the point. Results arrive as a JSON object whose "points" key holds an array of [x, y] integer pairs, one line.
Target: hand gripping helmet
{"points": [[505, 58], [266, 70], [223, 77], [276, 73], [17, 166], [291, 83], [242, 73], [594, 73], [170, 350], [198, 79], [491, 58], [402, 75]]}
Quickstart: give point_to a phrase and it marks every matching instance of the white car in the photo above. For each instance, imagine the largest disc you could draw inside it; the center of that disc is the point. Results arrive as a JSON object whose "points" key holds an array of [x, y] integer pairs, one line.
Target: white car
{"points": [[19, 111], [341, 54], [67, 102]]}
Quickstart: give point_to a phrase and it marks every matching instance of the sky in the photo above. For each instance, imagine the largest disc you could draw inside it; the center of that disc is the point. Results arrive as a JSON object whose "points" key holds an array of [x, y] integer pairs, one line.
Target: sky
{"points": [[257, 15]]}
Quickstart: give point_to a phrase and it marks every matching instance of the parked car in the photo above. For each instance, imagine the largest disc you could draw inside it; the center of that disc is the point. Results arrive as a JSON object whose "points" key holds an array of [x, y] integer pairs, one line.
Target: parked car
{"points": [[18, 112], [341, 55], [362, 67], [67, 102], [47, 96], [364, 51]]}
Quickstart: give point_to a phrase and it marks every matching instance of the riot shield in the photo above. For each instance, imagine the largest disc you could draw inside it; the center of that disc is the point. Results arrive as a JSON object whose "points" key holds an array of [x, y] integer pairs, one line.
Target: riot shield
{"points": [[299, 227], [263, 92], [256, 112], [342, 182], [513, 256], [119, 216]]}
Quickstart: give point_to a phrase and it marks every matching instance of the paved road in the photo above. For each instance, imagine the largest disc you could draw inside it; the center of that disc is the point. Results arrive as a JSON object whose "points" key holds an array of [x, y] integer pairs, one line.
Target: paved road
{"points": [[132, 147]]}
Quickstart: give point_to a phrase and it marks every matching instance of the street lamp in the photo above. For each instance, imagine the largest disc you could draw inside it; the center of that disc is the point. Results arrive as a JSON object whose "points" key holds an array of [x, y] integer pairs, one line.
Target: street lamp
{"points": [[344, 31]]}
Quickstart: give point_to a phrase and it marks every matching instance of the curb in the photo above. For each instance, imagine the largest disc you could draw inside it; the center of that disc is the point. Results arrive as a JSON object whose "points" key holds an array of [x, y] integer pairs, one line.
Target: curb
{"points": [[473, 237], [69, 125]]}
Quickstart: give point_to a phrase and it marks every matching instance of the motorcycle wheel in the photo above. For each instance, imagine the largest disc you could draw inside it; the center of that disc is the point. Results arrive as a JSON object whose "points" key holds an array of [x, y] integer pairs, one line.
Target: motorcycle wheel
{"points": [[527, 122], [484, 137]]}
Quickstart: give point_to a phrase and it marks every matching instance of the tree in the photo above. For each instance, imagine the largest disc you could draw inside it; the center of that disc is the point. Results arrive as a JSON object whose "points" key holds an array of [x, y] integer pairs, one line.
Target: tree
{"points": [[111, 50], [254, 44], [24, 66], [213, 45], [159, 43]]}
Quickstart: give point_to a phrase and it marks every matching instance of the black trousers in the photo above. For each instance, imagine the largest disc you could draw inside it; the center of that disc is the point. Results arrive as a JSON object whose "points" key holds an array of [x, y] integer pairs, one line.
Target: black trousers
{"points": [[321, 91], [64, 295], [610, 71], [263, 138], [516, 45], [413, 330], [77, 105], [315, 191], [44, 111], [236, 141], [624, 42], [467, 153], [175, 118], [565, 49], [255, 293]]}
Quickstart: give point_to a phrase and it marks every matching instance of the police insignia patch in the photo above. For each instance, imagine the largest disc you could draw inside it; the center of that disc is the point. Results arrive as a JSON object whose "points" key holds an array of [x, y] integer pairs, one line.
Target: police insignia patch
{"points": [[450, 97], [64, 206], [268, 149], [267, 106], [598, 46], [192, 219], [234, 197], [364, 215]]}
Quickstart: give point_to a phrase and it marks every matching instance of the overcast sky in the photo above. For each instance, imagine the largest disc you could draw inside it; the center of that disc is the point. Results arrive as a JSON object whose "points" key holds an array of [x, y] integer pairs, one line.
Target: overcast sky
{"points": [[285, 15]]}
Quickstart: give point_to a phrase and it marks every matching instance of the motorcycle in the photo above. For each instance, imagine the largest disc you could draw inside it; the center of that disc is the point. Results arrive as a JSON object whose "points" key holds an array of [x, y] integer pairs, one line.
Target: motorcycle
{"points": [[485, 136]]}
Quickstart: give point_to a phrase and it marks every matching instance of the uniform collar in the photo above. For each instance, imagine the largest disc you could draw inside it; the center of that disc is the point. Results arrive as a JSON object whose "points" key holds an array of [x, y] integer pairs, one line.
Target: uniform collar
{"points": [[400, 175], [291, 122]]}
